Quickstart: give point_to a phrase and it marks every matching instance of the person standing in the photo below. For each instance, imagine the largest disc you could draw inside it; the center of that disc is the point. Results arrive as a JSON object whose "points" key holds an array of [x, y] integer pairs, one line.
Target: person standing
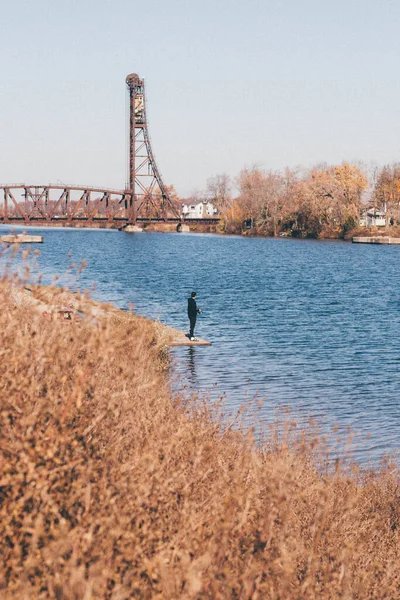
{"points": [[192, 314]]}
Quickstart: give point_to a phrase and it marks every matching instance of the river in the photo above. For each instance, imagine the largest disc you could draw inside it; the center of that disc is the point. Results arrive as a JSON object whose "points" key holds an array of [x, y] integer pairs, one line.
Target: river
{"points": [[307, 325]]}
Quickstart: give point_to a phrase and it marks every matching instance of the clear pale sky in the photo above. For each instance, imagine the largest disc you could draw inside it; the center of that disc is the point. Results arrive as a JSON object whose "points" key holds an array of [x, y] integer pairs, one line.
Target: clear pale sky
{"points": [[229, 84]]}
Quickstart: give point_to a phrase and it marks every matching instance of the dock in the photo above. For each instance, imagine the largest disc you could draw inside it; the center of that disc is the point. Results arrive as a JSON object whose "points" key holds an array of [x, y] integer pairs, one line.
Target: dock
{"points": [[382, 239], [22, 238]]}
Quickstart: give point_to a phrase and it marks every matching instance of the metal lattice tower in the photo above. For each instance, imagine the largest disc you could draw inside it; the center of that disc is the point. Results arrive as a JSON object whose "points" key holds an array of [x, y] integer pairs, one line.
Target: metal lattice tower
{"points": [[149, 197]]}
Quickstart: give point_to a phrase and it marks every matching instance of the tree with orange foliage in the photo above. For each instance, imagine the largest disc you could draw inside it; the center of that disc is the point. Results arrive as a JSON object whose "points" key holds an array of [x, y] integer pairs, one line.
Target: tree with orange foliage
{"points": [[386, 194], [332, 199], [325, 201]]}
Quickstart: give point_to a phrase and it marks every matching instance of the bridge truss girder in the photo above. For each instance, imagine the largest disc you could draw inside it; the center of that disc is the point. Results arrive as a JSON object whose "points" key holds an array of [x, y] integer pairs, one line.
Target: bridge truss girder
{"points": [[69, 205], [47, 203], [65, 204]]}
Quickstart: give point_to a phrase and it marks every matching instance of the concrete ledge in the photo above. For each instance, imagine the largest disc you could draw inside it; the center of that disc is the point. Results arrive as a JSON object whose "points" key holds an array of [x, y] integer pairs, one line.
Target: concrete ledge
{"points": [[176, 337], [382, 239], [184, 341], [22, 238]]}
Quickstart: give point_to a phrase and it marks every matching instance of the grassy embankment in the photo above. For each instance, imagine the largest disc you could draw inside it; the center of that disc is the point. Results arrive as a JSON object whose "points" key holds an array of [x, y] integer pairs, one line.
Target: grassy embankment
{"points": [[109, 488]]}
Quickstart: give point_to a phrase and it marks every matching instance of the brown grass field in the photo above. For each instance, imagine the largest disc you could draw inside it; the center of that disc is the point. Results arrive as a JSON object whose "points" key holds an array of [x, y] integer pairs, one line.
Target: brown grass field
{"points": [[112, 488]]}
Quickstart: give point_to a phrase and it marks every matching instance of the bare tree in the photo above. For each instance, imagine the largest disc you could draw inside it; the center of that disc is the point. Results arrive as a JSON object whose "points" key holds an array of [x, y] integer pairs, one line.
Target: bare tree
{"points": [[263, 195], [219, 189], [251, 187]]}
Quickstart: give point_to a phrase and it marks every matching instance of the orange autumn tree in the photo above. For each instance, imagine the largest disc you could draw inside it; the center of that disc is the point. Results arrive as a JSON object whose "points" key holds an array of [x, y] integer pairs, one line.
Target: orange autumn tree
{"points": [[332, 199], [350, 182], [386, 194], [233, 218]]}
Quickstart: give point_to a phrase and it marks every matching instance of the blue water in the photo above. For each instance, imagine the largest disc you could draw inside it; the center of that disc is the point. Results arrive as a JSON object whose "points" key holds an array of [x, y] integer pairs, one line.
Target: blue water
{"points": [[312, 326]]}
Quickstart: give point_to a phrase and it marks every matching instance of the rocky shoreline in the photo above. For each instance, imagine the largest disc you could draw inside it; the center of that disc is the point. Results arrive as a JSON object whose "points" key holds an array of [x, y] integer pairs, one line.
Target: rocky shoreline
{"points": [[61, 304]]}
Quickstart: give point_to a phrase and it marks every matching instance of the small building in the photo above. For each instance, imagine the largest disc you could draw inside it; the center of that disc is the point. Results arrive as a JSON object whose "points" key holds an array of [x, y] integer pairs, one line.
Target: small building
{"points": [[373, 217], [200, 209]]}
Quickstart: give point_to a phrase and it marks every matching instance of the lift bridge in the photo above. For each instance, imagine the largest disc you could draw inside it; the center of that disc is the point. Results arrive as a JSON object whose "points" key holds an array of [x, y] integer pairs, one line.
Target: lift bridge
{"points": [[145, 200]]}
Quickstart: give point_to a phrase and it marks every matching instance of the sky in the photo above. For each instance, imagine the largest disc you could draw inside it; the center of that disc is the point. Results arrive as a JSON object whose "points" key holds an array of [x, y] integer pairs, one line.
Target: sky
{"points": [[230, 84]]}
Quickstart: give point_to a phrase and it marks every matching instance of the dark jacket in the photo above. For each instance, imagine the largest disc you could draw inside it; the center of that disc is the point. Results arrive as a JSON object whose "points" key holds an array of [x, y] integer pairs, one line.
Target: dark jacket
{"points": [[192, 308]]}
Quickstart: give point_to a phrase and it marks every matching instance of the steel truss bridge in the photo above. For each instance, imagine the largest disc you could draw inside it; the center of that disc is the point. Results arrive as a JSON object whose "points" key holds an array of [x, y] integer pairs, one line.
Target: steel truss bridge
{"points": [[97, 207], [146, 199]]}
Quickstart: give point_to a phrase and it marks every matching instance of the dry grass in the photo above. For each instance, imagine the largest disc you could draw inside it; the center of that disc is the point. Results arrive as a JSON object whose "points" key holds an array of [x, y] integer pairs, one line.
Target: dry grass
{"points": [[109, 488], [390, 231]]}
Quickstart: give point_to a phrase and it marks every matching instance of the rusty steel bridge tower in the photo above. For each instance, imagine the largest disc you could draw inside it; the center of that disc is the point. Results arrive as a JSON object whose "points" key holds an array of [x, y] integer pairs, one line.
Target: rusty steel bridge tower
{"points": [[144, 199], [149, 197]]}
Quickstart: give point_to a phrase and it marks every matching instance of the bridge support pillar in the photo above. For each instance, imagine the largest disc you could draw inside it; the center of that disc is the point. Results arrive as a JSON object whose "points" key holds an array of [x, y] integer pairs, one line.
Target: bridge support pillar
{"points": [[132, 229]]}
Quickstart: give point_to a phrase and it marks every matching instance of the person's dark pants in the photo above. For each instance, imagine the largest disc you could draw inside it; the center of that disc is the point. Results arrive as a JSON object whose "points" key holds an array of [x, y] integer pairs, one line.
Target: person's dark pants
{"points": [[192, 326]]}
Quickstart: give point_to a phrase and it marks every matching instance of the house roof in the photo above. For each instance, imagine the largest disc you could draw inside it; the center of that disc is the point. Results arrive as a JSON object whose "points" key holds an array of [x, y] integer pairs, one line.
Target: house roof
{"points": [[373, 212], [196, 203]]}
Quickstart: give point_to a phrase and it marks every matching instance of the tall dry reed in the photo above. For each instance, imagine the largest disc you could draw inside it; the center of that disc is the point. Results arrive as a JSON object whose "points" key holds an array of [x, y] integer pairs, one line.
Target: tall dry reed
{"points": [[110, 488]]}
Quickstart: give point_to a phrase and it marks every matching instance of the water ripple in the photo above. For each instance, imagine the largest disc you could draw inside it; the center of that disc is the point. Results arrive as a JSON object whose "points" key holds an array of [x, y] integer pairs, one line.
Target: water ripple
{"points": [[309, 325]]}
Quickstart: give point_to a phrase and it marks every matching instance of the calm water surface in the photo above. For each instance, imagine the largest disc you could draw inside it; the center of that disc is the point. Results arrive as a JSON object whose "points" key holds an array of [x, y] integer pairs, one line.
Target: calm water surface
{"points": [[313, 326]]}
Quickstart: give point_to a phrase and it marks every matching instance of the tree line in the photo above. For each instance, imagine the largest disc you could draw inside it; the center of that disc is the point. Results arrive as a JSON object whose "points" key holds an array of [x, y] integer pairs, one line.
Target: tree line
{"points": [[325, 201]]}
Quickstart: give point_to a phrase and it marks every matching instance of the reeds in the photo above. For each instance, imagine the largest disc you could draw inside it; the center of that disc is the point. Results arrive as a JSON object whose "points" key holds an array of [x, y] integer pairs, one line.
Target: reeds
{"points": [[112, 488]]}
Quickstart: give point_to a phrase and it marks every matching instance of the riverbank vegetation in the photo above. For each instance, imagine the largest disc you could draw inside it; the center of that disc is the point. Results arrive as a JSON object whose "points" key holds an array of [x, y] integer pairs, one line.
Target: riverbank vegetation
{"points": [[112, 488], [326, 201]]}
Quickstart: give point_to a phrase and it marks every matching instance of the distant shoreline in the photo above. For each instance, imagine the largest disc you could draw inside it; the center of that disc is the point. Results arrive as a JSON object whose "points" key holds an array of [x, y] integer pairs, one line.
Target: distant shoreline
{"points": [[205, 230]]}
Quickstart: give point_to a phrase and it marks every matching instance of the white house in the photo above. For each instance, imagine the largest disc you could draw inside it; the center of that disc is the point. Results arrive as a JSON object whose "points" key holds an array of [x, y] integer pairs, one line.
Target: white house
{"points": [[200, 209], [373, 218]]}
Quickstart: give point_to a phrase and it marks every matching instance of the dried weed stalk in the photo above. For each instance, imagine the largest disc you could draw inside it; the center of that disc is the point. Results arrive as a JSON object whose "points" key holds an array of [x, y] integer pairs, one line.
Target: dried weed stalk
{"points": [[110, 488]]}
